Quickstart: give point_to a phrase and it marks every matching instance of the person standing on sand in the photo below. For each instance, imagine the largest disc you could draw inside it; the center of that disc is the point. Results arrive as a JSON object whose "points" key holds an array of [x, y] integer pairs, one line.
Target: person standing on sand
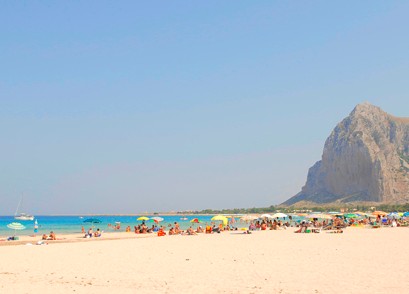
{"points": [[82, 230]]}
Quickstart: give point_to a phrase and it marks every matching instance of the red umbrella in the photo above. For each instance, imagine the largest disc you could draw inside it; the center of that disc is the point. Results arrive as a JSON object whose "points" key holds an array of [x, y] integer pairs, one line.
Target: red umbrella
{"points": [[195, 220]]}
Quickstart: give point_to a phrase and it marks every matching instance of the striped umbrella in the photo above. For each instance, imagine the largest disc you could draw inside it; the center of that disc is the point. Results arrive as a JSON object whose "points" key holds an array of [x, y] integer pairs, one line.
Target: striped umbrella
{"points": [[157, 219], [15, 227]]}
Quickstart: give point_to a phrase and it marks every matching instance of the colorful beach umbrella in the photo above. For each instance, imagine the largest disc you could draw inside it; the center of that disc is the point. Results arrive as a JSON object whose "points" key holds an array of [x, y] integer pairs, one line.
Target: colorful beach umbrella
{"points": [[406, 214], [35, 226], [350, 215], [142, 218], [195, 220], [157, 219], [394, 215]]}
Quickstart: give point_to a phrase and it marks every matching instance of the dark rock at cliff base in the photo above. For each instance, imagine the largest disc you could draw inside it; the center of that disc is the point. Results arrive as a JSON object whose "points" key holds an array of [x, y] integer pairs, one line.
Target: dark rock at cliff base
{"points": [[365, 159]]}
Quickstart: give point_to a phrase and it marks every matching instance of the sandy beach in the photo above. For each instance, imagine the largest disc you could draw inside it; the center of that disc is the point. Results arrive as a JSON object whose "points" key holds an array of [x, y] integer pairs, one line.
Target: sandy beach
{"points": [[357, 261]]}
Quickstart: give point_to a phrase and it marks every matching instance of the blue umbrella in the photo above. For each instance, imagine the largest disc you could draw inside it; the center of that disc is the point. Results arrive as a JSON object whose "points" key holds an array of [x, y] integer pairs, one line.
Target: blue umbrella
{"points": [[92, 221]]}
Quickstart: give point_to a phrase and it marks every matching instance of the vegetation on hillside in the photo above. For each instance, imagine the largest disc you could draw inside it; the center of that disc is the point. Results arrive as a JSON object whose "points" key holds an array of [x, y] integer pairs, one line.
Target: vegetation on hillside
{"points": [[326, 208]]}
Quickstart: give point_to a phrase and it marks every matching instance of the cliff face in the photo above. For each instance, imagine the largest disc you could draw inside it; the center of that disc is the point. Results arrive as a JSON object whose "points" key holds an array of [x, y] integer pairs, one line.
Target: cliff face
{"points": [[366, 158]]}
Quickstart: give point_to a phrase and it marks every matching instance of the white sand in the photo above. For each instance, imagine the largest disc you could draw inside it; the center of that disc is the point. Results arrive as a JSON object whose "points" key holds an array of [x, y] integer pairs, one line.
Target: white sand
{"points": [[357, 261]]}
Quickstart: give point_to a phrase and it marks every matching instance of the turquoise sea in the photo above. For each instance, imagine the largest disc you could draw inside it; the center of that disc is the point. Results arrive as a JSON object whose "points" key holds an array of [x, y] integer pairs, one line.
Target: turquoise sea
{"points": [[73, 224]]}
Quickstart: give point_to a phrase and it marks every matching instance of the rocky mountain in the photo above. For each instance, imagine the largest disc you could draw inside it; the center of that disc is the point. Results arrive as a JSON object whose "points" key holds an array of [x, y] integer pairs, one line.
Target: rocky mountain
{"points": [[365, 159]]}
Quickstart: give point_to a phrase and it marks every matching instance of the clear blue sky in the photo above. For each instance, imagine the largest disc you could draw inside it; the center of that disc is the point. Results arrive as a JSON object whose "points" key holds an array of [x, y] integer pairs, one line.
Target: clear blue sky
{"points": [[109, 107]]}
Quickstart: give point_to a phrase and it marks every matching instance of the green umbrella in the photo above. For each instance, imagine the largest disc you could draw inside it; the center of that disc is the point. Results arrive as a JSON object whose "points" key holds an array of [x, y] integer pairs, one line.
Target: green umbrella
{"points": [[15, 227]]}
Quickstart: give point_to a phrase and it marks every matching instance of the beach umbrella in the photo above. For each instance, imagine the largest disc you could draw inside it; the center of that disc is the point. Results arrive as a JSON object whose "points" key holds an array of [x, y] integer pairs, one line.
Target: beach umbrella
{"points": [[379, 212], [360, 213], [16, 227], [157, 219], [35, 226], [350, 215], [142, 218], [393, 215], [248, 217], [406, 214], [319, 215], [92, 221], [266, 215], [195, 220], [222, 218], [279, 214]]}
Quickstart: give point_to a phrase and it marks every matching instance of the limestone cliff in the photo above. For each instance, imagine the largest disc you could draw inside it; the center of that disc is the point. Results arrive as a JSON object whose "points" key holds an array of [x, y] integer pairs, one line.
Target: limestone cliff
{"points": [[366, 158]]}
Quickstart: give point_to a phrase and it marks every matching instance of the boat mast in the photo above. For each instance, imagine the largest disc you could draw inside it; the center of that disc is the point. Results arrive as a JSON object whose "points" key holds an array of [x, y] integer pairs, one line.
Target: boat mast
{"points": [[18, 206]]}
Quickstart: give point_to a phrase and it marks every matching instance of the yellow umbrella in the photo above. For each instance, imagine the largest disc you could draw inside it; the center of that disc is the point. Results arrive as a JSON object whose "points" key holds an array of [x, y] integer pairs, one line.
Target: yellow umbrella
{"points": [[220, 218], [142, 218]]}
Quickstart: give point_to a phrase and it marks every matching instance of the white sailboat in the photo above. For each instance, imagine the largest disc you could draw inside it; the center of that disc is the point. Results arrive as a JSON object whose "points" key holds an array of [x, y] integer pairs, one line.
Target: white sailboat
{"points": [[22, 215]]}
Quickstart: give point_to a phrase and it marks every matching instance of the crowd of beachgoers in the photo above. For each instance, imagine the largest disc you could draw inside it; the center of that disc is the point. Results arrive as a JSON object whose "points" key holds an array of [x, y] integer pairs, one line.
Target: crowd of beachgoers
{"points": [[302, 223], [334, 222]]}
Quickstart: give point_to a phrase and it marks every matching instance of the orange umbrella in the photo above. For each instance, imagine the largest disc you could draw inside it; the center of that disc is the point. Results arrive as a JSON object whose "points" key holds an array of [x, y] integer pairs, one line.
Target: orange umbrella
{"points": [[379, 212]]}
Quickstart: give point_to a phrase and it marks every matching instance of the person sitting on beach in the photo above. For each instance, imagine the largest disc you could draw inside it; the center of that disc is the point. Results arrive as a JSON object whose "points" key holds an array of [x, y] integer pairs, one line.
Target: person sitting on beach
{"points": [[97, 233], [89, 234], [208, 229], [303, 228], [199, 229], [215, 229], [161, 232], [190, 231], [128, 229], [44, 237], [172, 231], [258, 225], [52, 236], [263, 226]]}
